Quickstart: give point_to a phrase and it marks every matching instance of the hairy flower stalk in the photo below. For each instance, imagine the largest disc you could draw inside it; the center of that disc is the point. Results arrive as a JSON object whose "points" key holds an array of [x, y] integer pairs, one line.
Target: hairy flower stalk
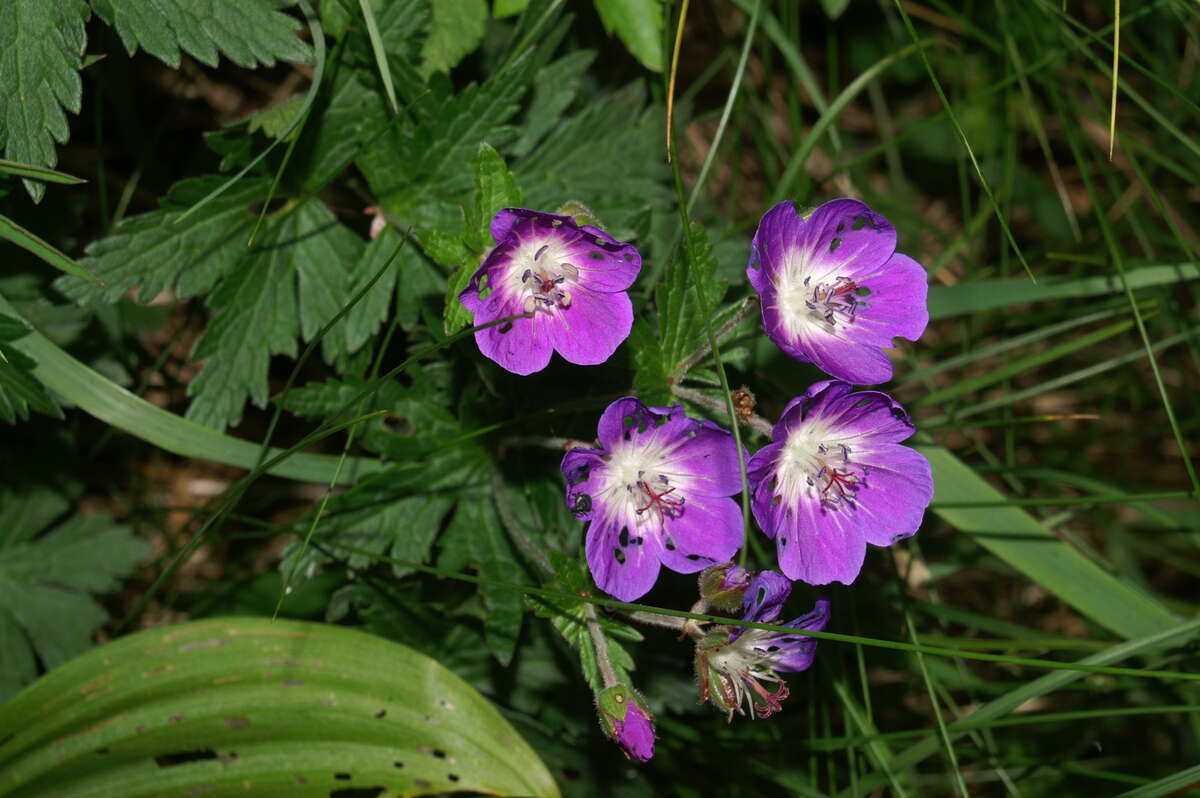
{"points": [[835, 478], [737, 668], [834, 290], [656, 492], [569, 280]]}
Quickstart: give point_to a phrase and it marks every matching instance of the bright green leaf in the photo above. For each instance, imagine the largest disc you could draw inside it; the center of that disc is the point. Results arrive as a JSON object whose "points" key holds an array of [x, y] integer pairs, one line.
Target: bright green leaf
{"points": [[41, 44], [508, 8], [289, 708], [247, 32], [639, 23]]}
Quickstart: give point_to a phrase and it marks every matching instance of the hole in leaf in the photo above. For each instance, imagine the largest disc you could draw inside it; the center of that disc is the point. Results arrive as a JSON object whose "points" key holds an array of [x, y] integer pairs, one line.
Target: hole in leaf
{"points": [[342, 776], [453, 777], [399, 765], [439, 754], [183, 757], [381, 714], [422, 784], [358, 792]]}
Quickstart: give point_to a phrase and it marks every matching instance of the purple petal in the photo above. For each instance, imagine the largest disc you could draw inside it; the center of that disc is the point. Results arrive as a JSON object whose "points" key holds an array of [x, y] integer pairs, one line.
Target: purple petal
{"points": [[894, 494], [797, 651], [579, 466], [710, 454], [522, 345], [591, 329], [635, 734], [623, 564], [814, 545], [507, 218], [844, 237], [897, 305], [853, 417], [706, 531], [629, 418], [764, 600], [604, 263]]}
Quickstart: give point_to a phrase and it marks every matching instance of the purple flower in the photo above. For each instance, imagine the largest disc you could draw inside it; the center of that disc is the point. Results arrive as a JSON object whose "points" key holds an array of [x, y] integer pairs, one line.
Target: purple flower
{"points": [[732, 664], [722, 586], [571, 280], [656, 493], [835, 478], [627, 721], [834, 290]]}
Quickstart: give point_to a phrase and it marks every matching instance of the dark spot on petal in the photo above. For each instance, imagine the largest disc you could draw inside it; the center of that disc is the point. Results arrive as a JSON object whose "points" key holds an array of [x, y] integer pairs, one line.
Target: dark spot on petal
{"points": [[860, 222], [505, 327], [628, 256], [619, 556], [582, 504], [834, 244], [596, 255], [841, 227], [623, 538], [776, 500], [693, 557], [899, 413], [669, 544]]}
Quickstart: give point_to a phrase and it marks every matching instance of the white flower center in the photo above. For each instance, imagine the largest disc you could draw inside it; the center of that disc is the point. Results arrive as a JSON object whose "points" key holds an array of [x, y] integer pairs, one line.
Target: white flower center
{"points": [[818, 466], [542, 273]]}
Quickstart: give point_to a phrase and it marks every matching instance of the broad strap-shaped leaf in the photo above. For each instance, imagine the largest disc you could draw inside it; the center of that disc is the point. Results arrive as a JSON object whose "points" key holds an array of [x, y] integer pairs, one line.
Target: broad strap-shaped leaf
{"points": [[41, 47], [47, 612], [247, 32], [1027, 545], [259, 707], [293, 281]]}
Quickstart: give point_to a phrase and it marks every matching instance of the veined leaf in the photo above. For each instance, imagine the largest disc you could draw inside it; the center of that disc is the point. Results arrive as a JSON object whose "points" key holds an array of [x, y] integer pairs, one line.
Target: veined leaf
{"points": [[41, 47], [47, 583], [20, 391], [682, 329], [152, 251], [247, 32], [456, 30], [289, 285], [639, 23], [237, 705]]}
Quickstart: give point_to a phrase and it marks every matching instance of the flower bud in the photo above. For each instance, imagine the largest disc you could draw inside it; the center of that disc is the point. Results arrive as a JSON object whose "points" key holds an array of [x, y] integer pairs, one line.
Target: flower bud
{"points": [[723, 586], [626, 720]]}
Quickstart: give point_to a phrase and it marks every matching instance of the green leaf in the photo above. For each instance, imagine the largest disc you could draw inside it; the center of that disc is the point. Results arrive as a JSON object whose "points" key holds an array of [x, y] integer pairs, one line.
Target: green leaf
{"points": [[1023, 542], [285, 708], [20, 391], [247, 32], [639, 23], [421, 175], [650, 373], [495, 188], [28, 241], [946, 301], [41, 44], [609, 156], [834, 8], [508, 8], [475, 538], [259, 310], [38, 173], [556, 86], [153, 251], [569, 617], [457, 29], [276, 120], [47, 584], [682, 328]]}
